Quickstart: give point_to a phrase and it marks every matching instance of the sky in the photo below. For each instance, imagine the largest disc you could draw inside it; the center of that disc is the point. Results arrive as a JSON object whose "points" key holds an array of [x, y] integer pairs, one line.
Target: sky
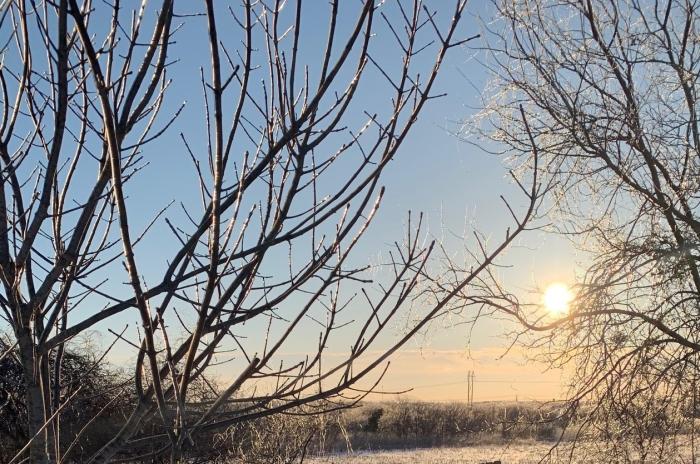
{"points": [[455, 184]]}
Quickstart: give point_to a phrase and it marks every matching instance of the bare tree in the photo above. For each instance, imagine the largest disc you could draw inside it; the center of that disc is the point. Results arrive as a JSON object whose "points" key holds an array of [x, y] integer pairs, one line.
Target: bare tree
{"points": [[606, 92], [287, 171]]}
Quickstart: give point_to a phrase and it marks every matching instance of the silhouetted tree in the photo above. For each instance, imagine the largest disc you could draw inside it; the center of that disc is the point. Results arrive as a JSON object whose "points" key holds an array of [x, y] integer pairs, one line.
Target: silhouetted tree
{"points": [[288, 168], [606, 93]]}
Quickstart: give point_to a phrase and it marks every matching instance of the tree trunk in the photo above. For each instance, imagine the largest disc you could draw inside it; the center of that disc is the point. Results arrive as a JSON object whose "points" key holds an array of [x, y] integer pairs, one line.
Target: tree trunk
{"points": [[50, 432], [33, 398]]}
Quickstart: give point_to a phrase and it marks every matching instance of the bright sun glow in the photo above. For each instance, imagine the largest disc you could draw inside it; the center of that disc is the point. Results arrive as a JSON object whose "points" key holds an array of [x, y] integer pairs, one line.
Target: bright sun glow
{"points": [[556, 299]]}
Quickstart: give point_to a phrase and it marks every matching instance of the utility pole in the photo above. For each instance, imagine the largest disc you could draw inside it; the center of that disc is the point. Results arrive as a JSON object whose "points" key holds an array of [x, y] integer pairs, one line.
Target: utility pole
{"points": [[470, 388]]}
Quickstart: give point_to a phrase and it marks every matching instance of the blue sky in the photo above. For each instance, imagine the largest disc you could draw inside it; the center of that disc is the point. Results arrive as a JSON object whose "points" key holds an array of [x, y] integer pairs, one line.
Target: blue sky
{"points": [[452, 182]]}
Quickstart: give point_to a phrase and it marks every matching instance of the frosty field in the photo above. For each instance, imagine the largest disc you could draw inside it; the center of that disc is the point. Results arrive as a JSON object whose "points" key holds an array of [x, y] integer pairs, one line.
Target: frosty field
{"points": [[514, 454], [517, 453]]}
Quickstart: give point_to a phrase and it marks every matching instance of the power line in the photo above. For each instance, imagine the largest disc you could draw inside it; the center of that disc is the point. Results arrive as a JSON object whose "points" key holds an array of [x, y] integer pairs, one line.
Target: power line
{"points": [[462, 382]]}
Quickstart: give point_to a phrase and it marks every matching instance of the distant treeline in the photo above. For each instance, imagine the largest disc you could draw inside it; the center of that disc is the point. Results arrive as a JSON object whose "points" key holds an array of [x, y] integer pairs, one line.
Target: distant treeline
{"points": [[393, 425], [100, 398], [406, 424], [100, 403]]}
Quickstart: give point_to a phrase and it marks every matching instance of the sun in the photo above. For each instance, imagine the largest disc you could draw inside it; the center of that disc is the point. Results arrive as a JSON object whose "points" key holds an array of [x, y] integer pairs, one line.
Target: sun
{"points": [[556, 299]]}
